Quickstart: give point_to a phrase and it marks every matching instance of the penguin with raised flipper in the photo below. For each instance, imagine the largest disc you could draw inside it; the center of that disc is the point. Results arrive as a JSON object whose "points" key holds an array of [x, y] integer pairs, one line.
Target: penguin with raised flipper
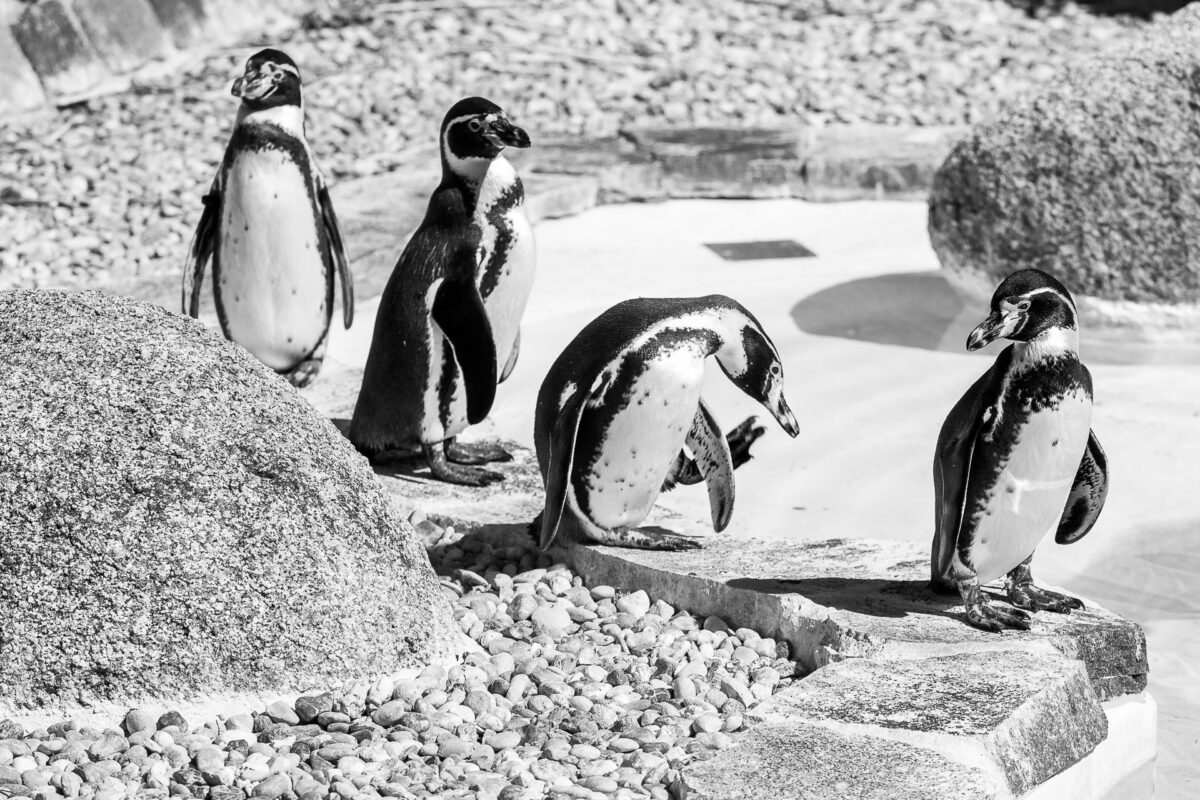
{"points": [[1017, 458], [448, 325], [623, 399], [269, 229]]}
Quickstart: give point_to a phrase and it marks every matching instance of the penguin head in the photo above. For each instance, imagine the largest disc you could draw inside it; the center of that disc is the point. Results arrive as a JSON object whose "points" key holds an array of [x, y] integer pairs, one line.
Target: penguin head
{"points": [[271, 79], [474, 132], [1025, 305], [752, 363]]}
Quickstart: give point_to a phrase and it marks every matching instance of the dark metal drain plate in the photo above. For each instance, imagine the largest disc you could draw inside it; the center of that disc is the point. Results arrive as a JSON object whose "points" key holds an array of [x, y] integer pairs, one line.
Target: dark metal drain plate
{"points": [[751, 251]]}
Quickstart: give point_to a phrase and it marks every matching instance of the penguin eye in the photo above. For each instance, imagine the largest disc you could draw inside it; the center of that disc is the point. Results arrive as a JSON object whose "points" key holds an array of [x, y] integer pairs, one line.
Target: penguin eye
{"points": [[775, 370], [475, 125], [1023, 305]]}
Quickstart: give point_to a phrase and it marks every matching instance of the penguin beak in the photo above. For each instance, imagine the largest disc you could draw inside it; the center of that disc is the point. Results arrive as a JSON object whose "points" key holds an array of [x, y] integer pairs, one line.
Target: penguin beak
{"points": [[784, 416], [996, 326], [508, 134], [252, 86]]}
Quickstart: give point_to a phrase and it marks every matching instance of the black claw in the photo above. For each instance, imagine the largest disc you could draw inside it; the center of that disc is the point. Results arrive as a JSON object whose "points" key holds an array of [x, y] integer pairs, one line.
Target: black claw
{"points": [[993, 618], [481, 453], [460, 474]]}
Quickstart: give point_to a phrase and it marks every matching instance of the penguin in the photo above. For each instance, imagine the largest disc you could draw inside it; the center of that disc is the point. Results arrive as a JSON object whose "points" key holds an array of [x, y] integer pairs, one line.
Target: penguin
{"points": [[1017, 458], [448, 327], [623, 399], [269, 228]]}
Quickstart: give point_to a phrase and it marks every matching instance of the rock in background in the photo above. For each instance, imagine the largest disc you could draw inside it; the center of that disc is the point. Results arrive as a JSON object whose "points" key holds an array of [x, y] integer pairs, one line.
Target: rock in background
{"points": [[1094, 179], [176, 522]]}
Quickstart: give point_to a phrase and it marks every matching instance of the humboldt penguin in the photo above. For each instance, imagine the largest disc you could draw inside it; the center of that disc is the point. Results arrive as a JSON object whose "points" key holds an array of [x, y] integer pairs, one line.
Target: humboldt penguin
{"points": [[448, 325], [1017, 458], [269, 228], [623, 399]]}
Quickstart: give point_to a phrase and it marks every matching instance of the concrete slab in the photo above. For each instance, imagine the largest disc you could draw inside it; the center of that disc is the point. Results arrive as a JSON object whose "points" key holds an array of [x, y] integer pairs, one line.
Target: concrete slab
{"points": [[835, 599], [126, 33], [183, 19], [22, 91], [53, 39], [809, 762], [1021, 716]]}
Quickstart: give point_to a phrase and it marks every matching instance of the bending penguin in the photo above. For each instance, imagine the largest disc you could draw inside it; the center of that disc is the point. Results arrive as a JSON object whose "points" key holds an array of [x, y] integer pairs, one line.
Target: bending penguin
{"points": [[448, 325], [1016, 457], [269, 229], [623, 399]]}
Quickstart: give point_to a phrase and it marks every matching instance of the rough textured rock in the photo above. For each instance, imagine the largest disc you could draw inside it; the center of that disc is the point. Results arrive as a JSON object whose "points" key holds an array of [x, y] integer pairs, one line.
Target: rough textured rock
{"points": [[175, 521], [858, 598], [800, 761], [1093, 179], [1025, 716]]}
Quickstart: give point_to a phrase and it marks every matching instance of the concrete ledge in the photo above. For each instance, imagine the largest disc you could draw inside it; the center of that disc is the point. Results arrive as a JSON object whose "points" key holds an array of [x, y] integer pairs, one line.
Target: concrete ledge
{"points": [[844, 162]]}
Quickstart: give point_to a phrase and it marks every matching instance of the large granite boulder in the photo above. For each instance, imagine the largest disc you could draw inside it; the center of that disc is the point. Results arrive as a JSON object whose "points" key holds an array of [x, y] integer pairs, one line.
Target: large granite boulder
{"points": [[1096, 180], [177, 523]]}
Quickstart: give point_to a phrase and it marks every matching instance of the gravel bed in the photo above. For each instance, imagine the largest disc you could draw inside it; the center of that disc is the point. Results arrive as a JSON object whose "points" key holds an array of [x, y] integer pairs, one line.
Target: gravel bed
{"points": [[110, 189], [572, 692]]}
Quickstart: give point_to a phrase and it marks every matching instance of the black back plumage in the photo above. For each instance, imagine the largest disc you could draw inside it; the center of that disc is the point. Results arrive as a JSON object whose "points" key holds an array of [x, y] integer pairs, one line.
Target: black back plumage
{"points": [[983, 428], [444, 247], [559, 418]]}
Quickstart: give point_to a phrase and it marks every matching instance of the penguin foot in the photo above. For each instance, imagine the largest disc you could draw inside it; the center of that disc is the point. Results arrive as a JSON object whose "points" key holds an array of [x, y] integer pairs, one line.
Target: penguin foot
{"points": [[1031, 598], [460, 474], [740, 439], [996, 618], [303, 373], [480, 453], [644, 539]]}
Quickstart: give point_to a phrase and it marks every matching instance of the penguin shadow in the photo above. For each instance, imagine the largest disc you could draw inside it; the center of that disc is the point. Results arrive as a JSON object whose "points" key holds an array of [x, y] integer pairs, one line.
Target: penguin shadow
{"points": [[396, 464], [510, 543], [912, 309], [875, 597]]}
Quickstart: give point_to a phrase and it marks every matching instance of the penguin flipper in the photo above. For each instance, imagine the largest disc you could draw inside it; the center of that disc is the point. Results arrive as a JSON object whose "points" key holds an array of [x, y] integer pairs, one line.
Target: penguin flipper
{"points": [[562, 459], [204, 243], [1087, 496], [337, 251], [458, 311], [711, 450], [952, 467]]}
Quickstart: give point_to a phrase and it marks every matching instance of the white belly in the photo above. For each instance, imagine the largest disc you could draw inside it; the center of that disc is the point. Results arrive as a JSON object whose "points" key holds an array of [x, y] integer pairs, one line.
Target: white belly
{"points": [[643, 440], [272, 281], [506, 304], [1032, 490]]}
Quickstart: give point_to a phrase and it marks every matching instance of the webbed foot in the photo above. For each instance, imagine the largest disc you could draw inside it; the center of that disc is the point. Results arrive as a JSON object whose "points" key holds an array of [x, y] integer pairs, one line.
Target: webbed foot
{"points": [[1023, 594], [985, 615], [644, 539], [740, 439], [475, 453], [1031, 598], [460, 474], [995, 618], [303, 373]]}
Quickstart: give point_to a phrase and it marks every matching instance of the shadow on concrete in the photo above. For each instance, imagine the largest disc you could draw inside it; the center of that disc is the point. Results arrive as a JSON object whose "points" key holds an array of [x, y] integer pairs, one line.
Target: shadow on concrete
{"points": [[921, 310], [917, 309], [875, 597]]}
